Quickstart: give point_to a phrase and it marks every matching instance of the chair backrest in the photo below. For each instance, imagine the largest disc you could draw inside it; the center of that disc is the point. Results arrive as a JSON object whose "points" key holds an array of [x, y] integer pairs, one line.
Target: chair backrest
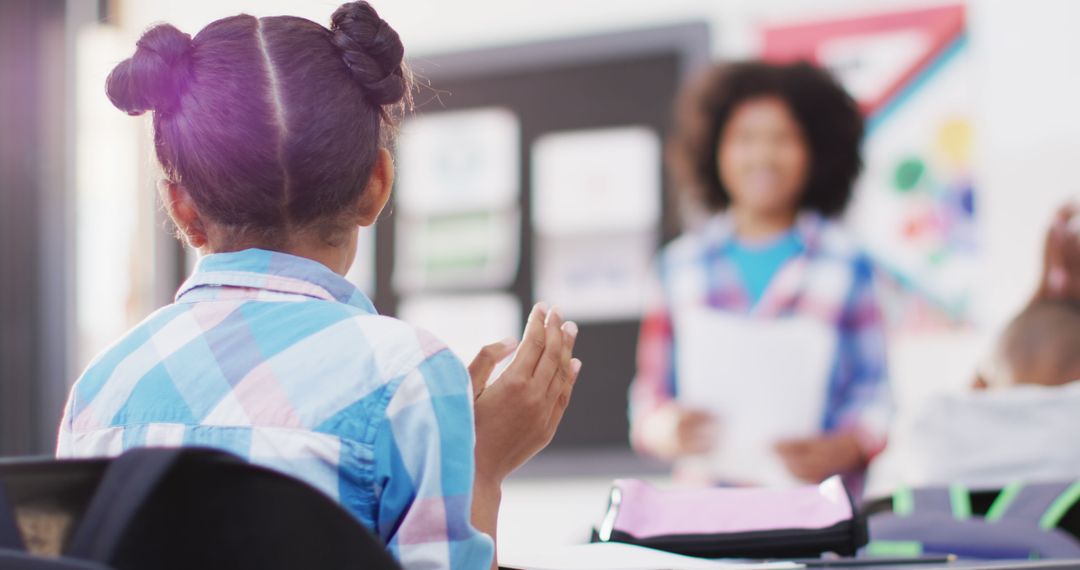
{"points": [[13, 553], [181, 508]]}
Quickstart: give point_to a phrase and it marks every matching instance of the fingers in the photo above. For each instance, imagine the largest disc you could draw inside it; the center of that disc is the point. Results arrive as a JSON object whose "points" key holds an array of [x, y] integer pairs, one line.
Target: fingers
{"points": [[1060, 275], [800, 458], [533, 341], [1071, 257], [570, 331], [489, 356], [572, 376], [814, 459], [551, 359], [697, 432], [1061, 279], [696, 417], [564, 376], [1067, 210], [563, 399], [1056, 275], [698, 441], [794, 448]]}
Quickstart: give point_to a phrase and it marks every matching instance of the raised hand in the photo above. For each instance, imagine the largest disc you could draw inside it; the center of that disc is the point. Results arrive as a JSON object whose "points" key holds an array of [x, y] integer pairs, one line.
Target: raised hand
{"points": [[518, 413], [1060, 279]]}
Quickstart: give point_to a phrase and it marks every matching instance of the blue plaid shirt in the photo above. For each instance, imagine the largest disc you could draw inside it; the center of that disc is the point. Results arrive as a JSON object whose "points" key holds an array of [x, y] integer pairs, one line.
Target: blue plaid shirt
{"points": [[280, 360], [829, 280]]}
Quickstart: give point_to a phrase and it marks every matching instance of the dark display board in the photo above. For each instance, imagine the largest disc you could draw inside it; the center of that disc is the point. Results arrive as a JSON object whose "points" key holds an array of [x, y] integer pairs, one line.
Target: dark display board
{"points": [[629, 78]]}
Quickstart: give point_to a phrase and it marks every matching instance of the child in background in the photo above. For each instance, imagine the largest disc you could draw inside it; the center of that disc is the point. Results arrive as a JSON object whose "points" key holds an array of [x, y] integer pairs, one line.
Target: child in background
{"points": [[272, 133], [773, 152], [1039, 347], [1020, 422]]}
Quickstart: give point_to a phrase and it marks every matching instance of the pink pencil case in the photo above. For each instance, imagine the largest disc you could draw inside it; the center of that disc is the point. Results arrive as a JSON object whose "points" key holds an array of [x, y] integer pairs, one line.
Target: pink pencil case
{"points": [[735, 522]]}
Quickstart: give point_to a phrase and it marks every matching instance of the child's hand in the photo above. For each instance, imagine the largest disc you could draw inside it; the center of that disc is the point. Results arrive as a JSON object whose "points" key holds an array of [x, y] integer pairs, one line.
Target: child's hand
{"points": [[814, 459], [673, 431], [1061, 257], [517, 414]]}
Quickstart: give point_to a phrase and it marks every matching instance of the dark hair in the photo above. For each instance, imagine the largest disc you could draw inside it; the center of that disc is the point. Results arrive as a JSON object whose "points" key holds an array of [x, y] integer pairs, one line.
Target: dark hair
{"points": [[829, 117], [270, 124]]}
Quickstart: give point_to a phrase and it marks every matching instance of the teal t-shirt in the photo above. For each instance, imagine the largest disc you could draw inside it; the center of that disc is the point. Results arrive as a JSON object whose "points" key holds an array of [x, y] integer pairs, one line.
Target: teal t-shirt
{"points": [[758, 263]]}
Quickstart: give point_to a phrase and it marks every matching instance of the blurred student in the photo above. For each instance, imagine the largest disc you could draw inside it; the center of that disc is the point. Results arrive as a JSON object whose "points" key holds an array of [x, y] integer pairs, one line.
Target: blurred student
{"points": [[273, 135], [1020, 423], [773, 152]]}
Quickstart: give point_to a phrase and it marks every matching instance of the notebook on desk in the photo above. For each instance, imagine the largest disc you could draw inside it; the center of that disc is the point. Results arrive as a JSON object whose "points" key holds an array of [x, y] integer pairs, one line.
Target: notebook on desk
{"points": [[616, 556]]}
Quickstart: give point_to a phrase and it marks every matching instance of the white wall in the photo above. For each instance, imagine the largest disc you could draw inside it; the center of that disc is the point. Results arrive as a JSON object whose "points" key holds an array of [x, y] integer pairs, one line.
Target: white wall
{"points": [[1029, 142]]}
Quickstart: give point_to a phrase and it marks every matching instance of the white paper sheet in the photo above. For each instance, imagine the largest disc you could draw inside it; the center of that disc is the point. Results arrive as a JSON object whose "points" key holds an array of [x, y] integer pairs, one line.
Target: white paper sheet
{"points": [[604, 180], [465, 322], [617, 556], [592, 278], [764, 379], [476, 250], [459, 161]]}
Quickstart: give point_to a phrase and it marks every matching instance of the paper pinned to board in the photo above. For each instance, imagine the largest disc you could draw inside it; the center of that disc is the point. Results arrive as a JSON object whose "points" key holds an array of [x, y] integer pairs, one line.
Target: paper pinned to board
{"points": [[469, 250], [619, 556], [454, 161], [596, 181], [765, 380], [594, 278]]}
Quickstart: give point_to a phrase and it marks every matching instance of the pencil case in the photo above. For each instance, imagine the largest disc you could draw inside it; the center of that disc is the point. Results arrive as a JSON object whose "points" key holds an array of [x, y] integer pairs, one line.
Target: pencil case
{"points": [[735, 522]]}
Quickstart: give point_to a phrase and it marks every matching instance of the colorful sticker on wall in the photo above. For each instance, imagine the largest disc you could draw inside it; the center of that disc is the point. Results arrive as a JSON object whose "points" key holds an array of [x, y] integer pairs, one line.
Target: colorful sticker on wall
{"points": [[915, 208]]}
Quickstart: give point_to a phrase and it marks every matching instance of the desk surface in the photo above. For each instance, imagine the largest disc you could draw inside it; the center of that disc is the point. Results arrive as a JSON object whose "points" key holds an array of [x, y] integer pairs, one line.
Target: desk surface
{"points": [[968, 565]]}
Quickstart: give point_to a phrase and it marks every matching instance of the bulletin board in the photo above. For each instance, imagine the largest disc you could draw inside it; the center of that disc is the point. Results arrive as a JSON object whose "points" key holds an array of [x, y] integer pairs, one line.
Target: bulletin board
{"points": [[535, 172]]}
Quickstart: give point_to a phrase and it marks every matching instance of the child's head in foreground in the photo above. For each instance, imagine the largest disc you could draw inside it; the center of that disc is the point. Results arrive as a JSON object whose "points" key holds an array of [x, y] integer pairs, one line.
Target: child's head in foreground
{"points": [[1040, 346], [269, 130]]}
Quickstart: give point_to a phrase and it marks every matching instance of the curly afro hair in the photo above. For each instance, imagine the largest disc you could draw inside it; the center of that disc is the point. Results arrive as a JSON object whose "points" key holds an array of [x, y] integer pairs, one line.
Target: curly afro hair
{"points": [[830, 119]]}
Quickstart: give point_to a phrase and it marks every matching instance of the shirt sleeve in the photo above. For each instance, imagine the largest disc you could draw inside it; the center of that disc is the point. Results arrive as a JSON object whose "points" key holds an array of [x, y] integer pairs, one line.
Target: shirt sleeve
{"points": [[861, 401], [424, 470], [63, 435], [654, 384]]}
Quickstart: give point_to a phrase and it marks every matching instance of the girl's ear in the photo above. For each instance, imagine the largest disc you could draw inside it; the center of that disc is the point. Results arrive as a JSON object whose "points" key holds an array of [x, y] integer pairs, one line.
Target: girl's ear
{"points": [[377, 192], [184, 214]]}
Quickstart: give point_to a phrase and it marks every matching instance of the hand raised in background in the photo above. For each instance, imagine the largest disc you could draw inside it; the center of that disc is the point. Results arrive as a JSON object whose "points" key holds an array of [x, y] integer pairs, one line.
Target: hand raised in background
{"points": [[1060, 277]]}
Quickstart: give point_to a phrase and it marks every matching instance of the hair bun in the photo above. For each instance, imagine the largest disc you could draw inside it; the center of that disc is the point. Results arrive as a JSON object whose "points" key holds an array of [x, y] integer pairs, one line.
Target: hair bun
{"points": [[155, 77], [372, 50]]}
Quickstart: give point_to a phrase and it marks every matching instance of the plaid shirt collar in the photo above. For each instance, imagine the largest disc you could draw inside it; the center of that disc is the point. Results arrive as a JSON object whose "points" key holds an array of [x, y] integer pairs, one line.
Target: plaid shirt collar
{"points": [[789, 285], [264, 270], [719, 230]]}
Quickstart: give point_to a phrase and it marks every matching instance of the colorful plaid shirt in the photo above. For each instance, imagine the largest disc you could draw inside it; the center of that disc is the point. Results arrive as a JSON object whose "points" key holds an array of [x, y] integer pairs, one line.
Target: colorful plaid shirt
{"points": [[830, 280], [280, 360]]}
